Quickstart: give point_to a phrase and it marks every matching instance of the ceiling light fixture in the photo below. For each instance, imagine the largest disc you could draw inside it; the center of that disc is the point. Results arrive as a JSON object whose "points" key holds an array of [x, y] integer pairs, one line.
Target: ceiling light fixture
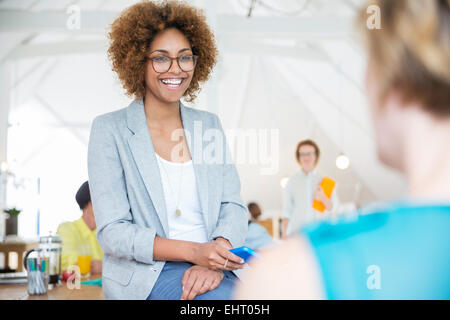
{"points": [[342, 162]]}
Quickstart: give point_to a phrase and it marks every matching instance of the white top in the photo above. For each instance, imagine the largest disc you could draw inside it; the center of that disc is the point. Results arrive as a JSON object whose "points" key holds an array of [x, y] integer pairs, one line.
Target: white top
{"points": [[298, 199], [190, 225]]}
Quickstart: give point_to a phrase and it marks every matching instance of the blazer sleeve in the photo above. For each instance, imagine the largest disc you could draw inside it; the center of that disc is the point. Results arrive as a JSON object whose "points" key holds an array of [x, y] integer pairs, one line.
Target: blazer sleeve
{"points": [[233, 216], [117, 234]]}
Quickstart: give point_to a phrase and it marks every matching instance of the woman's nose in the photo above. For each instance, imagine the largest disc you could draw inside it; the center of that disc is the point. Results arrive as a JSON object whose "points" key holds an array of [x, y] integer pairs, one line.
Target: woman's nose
{"points": [[175, 68]]}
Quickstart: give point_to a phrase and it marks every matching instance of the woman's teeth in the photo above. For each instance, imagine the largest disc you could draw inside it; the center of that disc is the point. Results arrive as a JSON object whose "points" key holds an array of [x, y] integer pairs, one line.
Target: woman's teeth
{"points": [[172, 82]]}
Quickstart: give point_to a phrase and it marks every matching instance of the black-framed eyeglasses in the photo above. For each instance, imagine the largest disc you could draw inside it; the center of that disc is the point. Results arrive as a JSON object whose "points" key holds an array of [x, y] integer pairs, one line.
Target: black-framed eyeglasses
{"points": [[163, 63]]}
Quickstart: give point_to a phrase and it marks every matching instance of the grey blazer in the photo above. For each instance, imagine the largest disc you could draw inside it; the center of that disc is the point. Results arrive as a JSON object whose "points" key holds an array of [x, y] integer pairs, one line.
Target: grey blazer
{"points": [[128, 198]]}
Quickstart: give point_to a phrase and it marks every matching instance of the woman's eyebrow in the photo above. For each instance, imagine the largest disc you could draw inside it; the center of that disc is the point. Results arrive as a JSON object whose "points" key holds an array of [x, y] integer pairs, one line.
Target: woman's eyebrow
{"points": [[165, 51], [160, 50]]}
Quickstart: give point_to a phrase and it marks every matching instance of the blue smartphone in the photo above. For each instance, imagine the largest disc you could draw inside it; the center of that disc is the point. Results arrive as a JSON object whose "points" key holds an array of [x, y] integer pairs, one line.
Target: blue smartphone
{"points": [[245, 253]]}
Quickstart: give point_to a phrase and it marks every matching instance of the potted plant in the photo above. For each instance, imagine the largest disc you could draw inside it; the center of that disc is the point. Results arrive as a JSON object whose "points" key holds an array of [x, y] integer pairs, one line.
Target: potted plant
{"points": [[11, 221]]}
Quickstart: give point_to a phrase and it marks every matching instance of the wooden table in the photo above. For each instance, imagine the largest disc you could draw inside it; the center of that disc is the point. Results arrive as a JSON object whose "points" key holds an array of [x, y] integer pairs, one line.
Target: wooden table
{"points": [[62, 292]]}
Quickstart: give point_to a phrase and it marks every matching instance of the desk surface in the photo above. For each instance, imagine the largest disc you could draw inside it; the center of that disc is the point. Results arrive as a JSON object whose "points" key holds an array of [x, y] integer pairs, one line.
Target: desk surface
{"points": [[62, 292]]}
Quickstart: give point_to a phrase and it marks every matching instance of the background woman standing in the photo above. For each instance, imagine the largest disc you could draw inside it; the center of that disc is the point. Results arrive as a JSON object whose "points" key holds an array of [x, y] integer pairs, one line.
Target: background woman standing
{"points": [[303, 188]]}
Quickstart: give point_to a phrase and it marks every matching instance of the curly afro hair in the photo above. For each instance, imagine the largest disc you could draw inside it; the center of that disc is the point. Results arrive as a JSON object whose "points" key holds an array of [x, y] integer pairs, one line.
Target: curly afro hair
{"points": [[133, 31]]}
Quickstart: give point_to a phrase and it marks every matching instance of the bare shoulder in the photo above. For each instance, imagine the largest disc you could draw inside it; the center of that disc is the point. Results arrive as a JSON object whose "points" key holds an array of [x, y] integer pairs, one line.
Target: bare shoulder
{"points": [[288, 271]]}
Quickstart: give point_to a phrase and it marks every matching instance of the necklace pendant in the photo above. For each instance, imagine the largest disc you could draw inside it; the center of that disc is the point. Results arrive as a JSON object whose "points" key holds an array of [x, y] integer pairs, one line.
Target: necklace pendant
{"points": [[178, 212]]}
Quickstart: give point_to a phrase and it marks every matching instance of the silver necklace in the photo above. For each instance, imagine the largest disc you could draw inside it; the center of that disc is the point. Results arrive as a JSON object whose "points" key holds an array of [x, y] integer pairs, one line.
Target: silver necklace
{"points": [[177, 208]]}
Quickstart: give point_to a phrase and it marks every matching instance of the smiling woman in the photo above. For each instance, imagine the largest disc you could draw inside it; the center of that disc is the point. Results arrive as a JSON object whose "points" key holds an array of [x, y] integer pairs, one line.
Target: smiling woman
{"points": [[165, 80], [166, 220], [132, 34]]}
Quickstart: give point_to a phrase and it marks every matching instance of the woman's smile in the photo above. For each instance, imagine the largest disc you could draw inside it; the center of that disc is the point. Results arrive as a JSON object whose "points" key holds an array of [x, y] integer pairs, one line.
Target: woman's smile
{"points": [[172, 83]]}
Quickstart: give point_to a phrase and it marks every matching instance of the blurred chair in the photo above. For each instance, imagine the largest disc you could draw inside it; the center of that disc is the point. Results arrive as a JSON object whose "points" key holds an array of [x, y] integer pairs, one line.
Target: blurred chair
{"points": [[267, 224]]}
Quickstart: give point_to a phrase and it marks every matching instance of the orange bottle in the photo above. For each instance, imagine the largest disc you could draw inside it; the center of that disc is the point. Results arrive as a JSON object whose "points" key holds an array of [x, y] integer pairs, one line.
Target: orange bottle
{"points": [[327, 185]]}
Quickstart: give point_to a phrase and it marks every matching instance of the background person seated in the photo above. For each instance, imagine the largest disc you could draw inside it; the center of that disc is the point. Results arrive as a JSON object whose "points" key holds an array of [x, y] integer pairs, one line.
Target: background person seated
{"points": [[257, 236], [81, 232]]}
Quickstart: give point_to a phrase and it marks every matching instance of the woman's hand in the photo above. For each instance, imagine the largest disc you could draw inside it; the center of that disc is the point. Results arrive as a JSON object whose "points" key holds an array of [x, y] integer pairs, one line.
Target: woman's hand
{"points": [[197, 280], [319, 194], [224, 242], [215, 256]]}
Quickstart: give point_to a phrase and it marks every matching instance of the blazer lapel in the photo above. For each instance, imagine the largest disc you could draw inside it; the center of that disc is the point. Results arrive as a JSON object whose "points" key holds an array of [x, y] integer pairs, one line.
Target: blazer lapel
{"points": [[141, 146], [193, 129]]}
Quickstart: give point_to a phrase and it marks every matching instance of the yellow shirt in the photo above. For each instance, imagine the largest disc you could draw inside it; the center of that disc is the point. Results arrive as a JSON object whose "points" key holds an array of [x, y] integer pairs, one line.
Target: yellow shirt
{"points": [[77, 239]]}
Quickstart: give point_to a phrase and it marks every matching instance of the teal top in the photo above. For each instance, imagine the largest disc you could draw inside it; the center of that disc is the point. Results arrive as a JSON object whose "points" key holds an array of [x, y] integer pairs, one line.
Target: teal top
{"points": [[399, 252]]}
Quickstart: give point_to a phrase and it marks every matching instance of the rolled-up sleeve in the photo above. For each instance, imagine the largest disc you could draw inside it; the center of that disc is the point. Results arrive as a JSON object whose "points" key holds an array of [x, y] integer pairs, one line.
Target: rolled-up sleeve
{"points": [[233, 216], [117, 234]]}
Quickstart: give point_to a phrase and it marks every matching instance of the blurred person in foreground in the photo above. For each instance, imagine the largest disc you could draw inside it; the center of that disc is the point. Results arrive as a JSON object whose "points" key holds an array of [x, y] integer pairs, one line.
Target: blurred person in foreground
{"points": [[403, 251], [81, 232]]}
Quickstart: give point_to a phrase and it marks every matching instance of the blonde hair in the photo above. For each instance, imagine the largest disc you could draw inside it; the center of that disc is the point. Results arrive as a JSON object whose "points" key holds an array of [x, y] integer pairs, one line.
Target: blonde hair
{"points": [[411, 51]]}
